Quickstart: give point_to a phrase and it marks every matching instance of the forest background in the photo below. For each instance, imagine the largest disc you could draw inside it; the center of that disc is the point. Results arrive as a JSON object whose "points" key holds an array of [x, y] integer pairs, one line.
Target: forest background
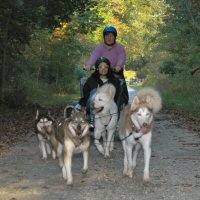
{"points": [[45, 44]]}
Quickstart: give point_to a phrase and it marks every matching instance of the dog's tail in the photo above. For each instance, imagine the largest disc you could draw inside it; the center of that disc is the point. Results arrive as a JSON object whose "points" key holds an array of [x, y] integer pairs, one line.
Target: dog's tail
{"points": [[152, 95]]}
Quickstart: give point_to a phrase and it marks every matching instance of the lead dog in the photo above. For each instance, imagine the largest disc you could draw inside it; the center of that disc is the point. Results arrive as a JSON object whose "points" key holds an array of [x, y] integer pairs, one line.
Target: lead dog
{"points": [[135, 129], [73, 134], [106, 116]]}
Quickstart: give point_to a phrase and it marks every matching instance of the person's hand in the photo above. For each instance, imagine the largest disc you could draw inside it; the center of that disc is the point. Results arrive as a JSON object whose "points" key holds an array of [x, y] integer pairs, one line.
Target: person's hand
{"points": [[87, 68], [117, 68]]}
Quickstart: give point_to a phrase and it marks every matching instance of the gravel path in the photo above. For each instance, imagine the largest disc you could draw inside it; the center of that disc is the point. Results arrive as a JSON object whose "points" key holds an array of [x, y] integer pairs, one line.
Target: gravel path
{"points": [[174, 171]]}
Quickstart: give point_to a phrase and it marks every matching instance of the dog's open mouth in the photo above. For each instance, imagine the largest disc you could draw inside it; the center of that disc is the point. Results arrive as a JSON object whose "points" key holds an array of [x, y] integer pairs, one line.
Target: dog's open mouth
{"points": [[79, 132], [145, 129], [97, 110], [43, 130]]}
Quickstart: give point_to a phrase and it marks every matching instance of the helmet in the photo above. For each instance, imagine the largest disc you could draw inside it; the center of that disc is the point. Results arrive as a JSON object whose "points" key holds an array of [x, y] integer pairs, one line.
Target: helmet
{"points": [[100, 60], [110, 29]]}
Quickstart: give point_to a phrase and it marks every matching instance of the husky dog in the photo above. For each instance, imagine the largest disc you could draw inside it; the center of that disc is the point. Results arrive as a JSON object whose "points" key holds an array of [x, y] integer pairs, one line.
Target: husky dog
{"points": [[73, 134], [45, 127], [106, 116], [135, 129]]}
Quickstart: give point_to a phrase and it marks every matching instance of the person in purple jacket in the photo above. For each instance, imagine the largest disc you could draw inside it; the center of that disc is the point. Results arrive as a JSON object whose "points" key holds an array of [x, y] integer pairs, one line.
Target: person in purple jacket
{"points": [[112, 50]]}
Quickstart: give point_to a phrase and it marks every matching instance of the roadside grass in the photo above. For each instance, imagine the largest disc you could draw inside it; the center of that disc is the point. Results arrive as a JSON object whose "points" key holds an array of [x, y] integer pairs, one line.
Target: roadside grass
{"points": [[180, 93], [186, 104], [58, 99]]}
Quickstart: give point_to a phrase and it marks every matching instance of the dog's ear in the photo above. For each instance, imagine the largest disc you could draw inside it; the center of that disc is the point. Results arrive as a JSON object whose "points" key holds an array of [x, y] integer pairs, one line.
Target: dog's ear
{"points": [[68, 111], [37, 108], [149, 103], [37, 114], [135, 103]]}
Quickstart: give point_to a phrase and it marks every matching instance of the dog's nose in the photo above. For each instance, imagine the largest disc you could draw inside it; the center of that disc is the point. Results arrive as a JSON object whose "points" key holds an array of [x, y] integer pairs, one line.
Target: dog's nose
{"points": [[145, 124], [79, 126]]}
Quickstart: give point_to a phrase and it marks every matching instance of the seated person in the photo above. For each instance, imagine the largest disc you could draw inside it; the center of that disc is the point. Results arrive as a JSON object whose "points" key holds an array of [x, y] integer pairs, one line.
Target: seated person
{"points": [[103, 74]]}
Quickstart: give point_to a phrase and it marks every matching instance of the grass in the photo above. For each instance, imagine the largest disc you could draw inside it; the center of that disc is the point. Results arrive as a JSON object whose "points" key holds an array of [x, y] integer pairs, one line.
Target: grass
{"points": [[58, 99], [186, 104]]}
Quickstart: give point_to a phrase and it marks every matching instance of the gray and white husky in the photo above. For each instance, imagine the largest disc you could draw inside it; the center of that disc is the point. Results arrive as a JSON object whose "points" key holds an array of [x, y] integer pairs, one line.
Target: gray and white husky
{"points": [[73, 134], [106, 116], [135, 129]]}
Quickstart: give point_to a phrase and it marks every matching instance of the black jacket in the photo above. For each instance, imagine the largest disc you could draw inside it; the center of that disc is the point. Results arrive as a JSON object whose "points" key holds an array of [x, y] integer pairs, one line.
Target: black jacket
{"points": [[92, 83]]}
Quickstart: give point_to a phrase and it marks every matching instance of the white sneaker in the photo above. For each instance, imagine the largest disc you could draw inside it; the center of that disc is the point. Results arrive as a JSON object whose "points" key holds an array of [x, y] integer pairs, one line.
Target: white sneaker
{"points": [[78, 107]]}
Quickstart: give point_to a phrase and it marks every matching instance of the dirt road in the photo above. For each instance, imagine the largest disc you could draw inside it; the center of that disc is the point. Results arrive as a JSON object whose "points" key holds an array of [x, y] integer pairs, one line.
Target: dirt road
{"points": [[174, 171]]}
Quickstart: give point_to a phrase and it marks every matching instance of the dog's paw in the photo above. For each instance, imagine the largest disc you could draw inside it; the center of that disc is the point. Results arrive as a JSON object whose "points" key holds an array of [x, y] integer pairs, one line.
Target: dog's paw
{"points": [[44, 158], [125, 173], [69, 182], [84, 171], [146, 182], [106, 156], [130, 175]]}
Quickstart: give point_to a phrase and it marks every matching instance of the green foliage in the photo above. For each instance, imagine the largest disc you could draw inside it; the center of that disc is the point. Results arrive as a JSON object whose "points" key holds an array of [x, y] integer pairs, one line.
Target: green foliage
{"points": [[180, 93], [179, 36], [137, 23], [54, 61], [19, 21], [161, 39]]}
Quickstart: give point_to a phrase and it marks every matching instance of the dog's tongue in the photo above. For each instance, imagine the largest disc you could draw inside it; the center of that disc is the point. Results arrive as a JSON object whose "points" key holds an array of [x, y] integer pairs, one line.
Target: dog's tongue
{"points": [[43, 131], [145, 129], [79, 132]]}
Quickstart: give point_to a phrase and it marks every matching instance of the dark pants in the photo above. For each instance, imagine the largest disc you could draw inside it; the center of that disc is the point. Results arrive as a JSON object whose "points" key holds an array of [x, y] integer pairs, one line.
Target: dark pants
{"points": [[124, 97]]}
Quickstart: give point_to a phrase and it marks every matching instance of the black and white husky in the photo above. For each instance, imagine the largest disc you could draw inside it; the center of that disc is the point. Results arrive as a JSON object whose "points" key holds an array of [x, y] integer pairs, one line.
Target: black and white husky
{"points": [[45, 128]]}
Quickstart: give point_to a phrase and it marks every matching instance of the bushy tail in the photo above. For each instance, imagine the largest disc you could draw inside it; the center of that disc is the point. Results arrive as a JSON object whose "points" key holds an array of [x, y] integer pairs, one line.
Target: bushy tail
{"points": [[154, 97]]}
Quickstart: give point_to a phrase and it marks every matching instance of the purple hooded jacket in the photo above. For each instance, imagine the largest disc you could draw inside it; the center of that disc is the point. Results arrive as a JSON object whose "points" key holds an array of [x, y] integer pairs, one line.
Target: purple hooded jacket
{"points": [[116, 55]]}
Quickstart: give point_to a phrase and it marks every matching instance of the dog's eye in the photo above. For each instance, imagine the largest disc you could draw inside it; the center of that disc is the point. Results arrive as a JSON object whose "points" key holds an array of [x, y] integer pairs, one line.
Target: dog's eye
{"points": [[139, 114]]}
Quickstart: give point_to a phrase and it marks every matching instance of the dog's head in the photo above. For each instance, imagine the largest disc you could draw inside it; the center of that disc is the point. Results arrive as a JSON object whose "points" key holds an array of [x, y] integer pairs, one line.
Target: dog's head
{"points": [[141, 114], [104, 97], [43, 120], [78, 124]]}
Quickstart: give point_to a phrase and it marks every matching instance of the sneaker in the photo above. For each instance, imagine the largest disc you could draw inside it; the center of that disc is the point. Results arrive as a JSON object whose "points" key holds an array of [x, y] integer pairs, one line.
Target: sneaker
{"points": [[91, 127], [78, 107]]}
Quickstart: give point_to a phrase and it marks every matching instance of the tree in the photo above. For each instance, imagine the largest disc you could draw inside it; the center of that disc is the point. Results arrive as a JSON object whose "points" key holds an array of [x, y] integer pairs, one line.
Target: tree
{"points": [[18, 21]]}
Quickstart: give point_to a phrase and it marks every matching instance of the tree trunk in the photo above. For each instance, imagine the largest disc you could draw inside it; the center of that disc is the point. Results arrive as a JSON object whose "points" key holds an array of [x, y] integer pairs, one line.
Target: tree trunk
{"points": [[4, 59]]}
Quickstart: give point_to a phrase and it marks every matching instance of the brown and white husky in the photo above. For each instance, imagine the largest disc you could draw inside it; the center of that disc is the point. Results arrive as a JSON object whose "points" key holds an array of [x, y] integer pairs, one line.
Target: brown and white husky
{"points": [[73, 134], [135, 129]]}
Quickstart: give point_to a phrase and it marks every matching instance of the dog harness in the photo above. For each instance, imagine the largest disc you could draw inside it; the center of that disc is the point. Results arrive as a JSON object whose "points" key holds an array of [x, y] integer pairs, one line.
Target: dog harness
{"points": [[105, 125], [134, 129]]}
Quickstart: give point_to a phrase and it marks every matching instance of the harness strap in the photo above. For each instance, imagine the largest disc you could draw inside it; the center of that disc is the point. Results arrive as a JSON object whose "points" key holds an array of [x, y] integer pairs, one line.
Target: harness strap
{"points": [[136, 138]]}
